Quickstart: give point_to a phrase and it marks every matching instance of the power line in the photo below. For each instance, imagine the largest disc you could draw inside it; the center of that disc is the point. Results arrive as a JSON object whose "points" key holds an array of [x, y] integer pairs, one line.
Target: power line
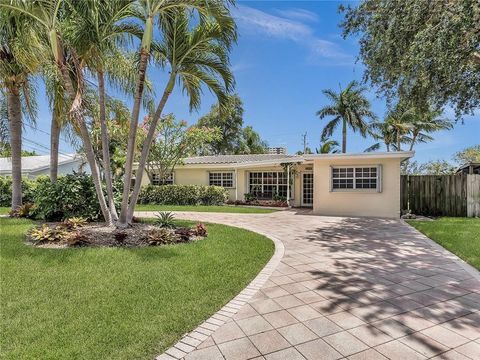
{"points": [[45, 132], [41, 145]]}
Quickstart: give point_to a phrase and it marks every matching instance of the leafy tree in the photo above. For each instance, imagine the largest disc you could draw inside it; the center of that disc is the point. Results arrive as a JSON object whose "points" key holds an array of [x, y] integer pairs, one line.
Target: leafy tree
{"points": [[251, 142], [421, 50], [230, 122], [467, 155], [175, 141], [433, 167], [349, 108]]}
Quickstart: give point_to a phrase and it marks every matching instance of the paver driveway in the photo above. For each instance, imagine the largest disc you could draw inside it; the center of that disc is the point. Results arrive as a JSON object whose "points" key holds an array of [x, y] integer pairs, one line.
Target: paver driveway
{"points": [[346, 288]]}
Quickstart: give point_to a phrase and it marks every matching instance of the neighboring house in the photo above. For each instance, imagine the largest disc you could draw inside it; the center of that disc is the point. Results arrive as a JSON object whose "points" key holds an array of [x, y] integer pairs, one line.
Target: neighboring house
{"points": [[33, 166], [472, 168], [365, 184]]}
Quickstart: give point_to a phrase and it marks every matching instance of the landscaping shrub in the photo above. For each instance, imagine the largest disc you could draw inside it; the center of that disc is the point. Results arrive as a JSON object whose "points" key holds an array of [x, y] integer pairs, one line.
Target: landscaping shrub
{"points": [[70, 196], [165, 219], [28, 189], [182, 195], [27, 210]]}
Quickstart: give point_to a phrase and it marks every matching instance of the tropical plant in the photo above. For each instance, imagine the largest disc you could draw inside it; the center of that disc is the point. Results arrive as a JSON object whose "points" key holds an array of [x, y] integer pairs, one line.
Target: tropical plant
{"points": [[165, 219], [162, 236], [349, 108], [46, 233], [20, 57], [196, 57], [74, 222], [201, 230], [26, 210], [183, 195], [327, 146]]}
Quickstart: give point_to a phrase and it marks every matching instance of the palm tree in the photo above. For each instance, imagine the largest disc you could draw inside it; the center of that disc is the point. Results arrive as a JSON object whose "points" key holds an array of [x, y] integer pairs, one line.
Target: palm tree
{"points": [[382, 131], [328, 146], [49, 15], [19, 59], [425, 123], [147, 11], [350, 108], [196, 57], [96, 30]]}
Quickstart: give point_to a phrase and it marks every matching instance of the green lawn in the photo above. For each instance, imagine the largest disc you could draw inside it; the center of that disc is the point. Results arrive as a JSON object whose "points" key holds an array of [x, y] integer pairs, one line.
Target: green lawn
{"points": [[116, 303], [461, 236], [4, 210], [212, 208]]}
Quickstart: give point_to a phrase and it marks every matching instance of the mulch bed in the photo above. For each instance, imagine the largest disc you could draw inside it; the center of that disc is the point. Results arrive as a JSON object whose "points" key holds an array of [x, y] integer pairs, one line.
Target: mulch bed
{"points": [[101, 235]]}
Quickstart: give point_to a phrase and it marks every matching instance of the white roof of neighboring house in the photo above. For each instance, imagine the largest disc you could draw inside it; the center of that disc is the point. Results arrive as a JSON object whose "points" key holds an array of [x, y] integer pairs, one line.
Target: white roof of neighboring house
{"points": [[239, 159], [36, 163]]}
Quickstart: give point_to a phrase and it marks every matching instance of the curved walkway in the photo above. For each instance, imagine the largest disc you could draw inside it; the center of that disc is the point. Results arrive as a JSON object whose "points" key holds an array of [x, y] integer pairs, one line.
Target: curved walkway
{"points": [[345, 288]]}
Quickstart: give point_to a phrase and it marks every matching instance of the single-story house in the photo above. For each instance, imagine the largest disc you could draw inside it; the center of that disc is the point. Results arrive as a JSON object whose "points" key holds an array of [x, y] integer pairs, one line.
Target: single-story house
{"points": [[364, 184], [33, 166]]}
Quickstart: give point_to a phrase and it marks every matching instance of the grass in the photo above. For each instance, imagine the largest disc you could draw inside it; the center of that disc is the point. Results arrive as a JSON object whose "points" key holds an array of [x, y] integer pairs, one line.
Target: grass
{"points": [[4, 210], [460, 236], [203, 208], [116, 303]]}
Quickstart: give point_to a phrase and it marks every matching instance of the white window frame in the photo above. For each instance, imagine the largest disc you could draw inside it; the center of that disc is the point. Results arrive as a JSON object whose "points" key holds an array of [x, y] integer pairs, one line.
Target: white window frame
{"points": [[222, 180], [168, 181], [378, 189], [263, 184]]}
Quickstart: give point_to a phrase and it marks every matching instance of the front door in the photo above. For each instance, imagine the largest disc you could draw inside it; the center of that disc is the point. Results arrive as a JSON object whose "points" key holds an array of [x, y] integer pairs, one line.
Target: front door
{"points": [[307, 189]]}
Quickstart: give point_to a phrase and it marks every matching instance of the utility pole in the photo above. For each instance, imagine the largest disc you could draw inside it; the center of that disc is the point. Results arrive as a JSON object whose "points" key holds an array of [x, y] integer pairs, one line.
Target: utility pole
{"points": [[304, 136]]}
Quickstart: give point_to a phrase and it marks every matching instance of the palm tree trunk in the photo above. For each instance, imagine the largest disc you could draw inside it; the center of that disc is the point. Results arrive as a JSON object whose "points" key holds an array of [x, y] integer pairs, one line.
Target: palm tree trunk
{"points": [[344, 136], [105, 145], [77, 117], [146, 146], [15, 122], [54, 143], [144, 56], [398, 141], [388, 147]]}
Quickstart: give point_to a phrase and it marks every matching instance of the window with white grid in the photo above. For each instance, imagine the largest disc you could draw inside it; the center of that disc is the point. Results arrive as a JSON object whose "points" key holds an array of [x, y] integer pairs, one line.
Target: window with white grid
{"points": [[224, 179], [356, 178], [267, 185], [156, 180]]}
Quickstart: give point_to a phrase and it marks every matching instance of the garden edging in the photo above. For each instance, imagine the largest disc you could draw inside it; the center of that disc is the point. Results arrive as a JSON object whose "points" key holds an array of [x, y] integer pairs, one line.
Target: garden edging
{"points": [[191, 340]]}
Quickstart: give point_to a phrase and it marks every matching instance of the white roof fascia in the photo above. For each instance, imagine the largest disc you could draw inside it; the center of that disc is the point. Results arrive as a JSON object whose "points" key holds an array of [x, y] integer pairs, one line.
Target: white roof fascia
{"points": [[370, 155]]}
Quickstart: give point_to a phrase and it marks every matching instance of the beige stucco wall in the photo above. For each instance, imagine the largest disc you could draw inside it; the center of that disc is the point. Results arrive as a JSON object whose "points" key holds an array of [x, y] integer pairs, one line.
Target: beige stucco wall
{"points": [[357, 202], [199, 176]]}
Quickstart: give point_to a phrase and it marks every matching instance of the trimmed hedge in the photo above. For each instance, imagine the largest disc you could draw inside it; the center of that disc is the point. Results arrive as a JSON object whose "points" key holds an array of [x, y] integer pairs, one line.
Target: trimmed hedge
{"points": [[183, 195]]}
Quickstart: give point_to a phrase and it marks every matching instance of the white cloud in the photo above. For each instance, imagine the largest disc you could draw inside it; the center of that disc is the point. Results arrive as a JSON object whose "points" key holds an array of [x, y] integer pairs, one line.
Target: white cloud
{"points": [[254, 21], [299, 14]]}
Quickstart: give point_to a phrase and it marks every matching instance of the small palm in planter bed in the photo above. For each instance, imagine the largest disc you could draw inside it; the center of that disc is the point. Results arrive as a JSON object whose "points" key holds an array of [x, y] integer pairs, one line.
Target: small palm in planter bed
{"points": [[75, 232]]}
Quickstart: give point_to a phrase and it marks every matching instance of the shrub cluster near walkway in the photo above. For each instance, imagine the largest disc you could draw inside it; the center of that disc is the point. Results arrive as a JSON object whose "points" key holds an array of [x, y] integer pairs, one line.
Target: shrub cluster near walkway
{"points": [[183, 195]]}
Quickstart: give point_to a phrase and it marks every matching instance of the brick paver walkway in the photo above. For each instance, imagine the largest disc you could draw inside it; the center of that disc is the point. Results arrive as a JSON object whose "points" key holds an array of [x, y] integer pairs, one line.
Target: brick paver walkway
{"points": [[347, 288]]}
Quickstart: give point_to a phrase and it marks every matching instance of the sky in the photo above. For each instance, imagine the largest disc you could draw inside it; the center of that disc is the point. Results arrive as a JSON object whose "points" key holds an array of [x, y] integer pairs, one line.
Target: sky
{"points": [[287, 53]]}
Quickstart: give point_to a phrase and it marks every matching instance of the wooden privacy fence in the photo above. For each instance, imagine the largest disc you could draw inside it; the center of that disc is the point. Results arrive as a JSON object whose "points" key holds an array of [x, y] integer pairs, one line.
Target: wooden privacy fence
{"points": [[441, 195]]}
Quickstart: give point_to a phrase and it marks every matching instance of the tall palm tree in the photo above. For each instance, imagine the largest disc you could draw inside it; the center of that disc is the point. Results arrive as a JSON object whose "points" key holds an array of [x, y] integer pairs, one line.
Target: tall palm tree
{"points": [[52, 17], [148, 11], [96, 29], [197, 57], [19, 59], [350, 108]]}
